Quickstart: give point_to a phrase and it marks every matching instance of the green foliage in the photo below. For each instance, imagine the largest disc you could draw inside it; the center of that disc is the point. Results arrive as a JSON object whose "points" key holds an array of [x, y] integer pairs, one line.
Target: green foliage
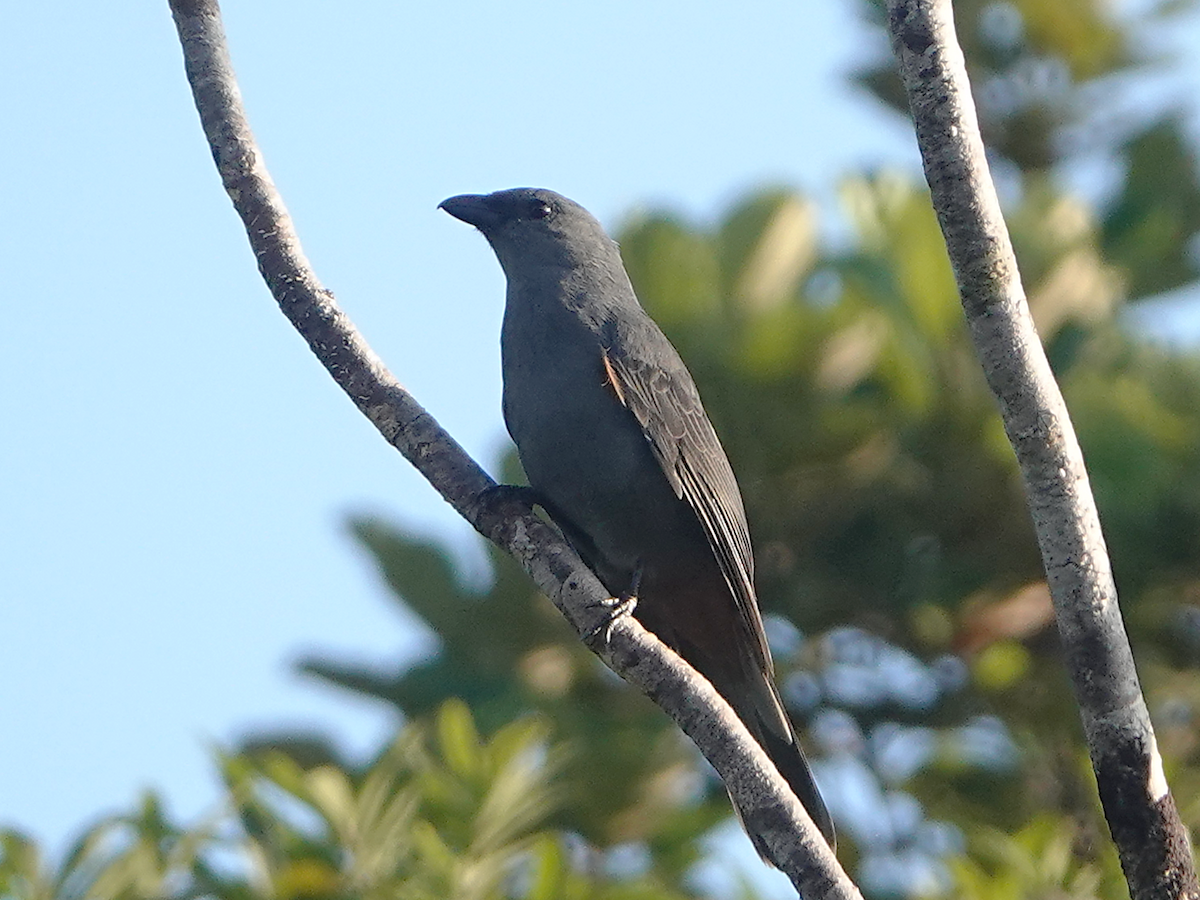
{"points": [[442, 814], [1057, 82], [1048, 859], [1149, 224], [506, 650], [1044, 75], [133, 856]]}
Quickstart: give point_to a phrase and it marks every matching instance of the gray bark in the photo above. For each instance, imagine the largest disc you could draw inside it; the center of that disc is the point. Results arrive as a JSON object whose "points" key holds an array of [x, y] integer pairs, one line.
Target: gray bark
{"points": [[1153, 845]]}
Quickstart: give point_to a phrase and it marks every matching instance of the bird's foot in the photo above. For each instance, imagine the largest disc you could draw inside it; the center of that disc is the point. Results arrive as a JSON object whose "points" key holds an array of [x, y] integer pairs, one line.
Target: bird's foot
{"points": [[618, 608]]}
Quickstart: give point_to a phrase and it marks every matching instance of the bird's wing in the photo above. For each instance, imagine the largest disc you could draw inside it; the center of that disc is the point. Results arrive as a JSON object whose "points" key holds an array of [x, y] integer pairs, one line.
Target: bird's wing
{"points": [[667, 406]]}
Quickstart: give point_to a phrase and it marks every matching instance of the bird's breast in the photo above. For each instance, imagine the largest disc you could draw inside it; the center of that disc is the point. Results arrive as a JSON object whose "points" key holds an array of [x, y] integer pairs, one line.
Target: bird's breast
{"points": [[581, 448]]}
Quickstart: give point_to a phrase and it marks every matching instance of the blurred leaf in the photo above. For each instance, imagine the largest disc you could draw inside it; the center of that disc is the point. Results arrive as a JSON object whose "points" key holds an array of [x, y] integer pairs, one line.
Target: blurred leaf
{"points": [[1045, 859], [1044, 76], [1150, 227]]}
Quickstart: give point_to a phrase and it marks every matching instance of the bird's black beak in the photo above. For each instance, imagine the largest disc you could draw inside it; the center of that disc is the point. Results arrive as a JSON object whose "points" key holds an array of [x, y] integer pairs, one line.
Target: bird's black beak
{"points": [[474, 209]]}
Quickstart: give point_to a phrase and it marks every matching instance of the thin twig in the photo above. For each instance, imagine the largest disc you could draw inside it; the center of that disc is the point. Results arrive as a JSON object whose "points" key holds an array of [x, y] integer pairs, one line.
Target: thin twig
{"points": [[1151, 840], [769, 807]]}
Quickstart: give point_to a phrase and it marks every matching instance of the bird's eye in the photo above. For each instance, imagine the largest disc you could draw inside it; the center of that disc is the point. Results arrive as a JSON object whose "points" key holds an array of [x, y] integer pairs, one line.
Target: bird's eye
{"points": [[540, 210]]}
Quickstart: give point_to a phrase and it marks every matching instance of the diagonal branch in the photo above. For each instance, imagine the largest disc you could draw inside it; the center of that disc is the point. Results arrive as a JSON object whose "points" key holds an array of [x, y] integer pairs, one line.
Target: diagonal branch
{"points": [[1151, 840], [769, 807]]}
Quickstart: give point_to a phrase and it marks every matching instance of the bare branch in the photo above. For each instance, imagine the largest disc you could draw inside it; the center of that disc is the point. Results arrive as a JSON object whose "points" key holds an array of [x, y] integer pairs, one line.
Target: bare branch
{"points": [[769, 807], [1152, 842]]}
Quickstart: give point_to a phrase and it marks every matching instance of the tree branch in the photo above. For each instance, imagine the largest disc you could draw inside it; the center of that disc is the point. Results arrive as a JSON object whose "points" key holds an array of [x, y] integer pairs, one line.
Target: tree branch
{"points": [[1151, 840], [768, 805]]}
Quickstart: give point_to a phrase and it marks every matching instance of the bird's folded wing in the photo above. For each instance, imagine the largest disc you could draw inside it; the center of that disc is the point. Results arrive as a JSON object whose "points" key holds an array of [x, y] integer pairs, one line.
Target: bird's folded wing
{"points": [[667, 406]]}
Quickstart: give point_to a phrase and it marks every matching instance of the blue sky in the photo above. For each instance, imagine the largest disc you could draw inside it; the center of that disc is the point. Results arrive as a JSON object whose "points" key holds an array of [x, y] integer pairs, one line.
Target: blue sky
{"points": [[177, 468]]}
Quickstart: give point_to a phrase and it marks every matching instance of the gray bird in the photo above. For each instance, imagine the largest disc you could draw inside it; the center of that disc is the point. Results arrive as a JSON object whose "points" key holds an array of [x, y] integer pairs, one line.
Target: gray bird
{"points": [[619, 451]]}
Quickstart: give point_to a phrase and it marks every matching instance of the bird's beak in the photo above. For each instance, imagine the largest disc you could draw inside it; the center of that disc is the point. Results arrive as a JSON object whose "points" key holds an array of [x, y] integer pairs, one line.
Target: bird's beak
{"points": [[474, 209]]}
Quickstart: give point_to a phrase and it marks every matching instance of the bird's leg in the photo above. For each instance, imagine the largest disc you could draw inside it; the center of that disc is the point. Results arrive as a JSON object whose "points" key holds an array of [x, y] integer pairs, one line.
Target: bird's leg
{"points": [[635, 585], [497, 496], [618, 608]]}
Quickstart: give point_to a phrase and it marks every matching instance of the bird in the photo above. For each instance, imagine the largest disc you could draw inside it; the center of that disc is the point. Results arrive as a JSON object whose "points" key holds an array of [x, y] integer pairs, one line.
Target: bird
{"points": [[619, 451]]}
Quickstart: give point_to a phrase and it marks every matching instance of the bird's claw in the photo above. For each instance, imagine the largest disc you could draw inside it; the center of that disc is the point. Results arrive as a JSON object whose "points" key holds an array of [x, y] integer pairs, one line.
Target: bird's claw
{"points": [[618, 608]]}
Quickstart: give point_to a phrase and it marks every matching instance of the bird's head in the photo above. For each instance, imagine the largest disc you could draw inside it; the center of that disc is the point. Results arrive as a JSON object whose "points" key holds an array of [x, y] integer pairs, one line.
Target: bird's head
{"points": [[531, 227]]}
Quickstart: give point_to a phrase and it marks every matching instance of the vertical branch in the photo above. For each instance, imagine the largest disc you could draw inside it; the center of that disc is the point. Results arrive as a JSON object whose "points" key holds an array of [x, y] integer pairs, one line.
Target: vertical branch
{"points": [[1151, 840]]}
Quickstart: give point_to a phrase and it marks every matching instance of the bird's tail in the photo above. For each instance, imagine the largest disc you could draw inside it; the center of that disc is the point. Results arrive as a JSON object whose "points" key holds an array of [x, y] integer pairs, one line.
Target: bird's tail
{"points": [[698, 619], [790, 761], [763, 714]]}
